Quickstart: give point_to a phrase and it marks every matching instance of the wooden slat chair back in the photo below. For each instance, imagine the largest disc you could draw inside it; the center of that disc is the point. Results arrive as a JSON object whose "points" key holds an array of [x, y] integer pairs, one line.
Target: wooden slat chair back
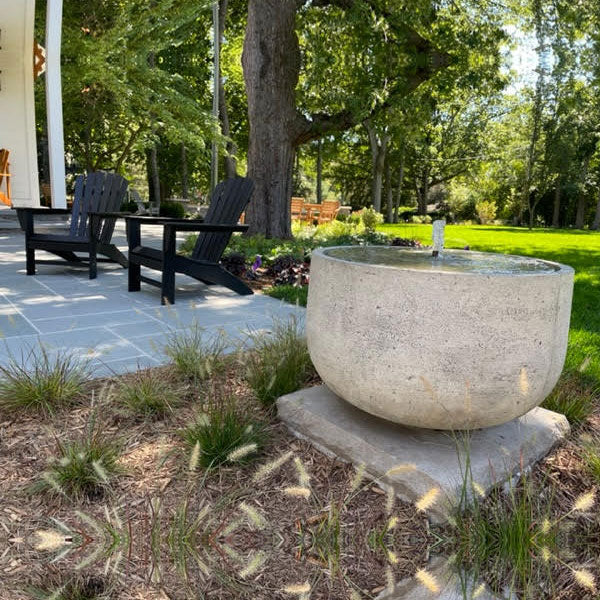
{"points": [[328, 211], [96, 192], [229, 200], [297, 208], [5, 197]]}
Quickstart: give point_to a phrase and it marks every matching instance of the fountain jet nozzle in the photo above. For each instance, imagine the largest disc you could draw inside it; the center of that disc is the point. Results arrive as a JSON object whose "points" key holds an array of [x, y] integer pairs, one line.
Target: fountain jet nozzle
{"points": [[438, 237]]}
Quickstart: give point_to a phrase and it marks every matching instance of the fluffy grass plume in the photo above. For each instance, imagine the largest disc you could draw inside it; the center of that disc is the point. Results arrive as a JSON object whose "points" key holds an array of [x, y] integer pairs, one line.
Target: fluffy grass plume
{"points": [[41, 382], [226, 436], [584, 502], [253, 515], [297, 589], [585, 579], [267, 469], [84, 467], [428, 581], [427, 500], [298, 492], [254, 564]]}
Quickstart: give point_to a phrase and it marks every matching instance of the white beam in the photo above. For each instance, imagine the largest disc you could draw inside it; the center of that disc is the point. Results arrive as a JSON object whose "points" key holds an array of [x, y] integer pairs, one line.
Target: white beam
{"points": [[54, 107], [17, 106]]}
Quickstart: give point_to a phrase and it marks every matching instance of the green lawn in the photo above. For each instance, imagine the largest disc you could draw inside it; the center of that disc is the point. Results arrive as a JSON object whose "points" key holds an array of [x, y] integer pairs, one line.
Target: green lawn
{"points": [[580, 249]]}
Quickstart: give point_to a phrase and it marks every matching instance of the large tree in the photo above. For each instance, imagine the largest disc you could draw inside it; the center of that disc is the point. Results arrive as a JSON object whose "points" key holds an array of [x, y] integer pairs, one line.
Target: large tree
{"points": [[272, 62]]}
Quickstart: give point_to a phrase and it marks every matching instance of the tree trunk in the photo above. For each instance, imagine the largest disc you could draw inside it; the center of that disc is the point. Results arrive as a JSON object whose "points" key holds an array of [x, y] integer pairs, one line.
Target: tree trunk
{"points": [[424, 192], [580, 215], [320, 171], [556, 211], [154, 175], [596, 224], [271, 63], [581, 200], [230, 160], [378, 154], [185, 192], [398, 199], [532, 207], [389, 192]]}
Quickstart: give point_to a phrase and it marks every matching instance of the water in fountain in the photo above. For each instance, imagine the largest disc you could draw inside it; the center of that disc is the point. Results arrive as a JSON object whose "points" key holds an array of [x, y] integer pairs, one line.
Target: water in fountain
{"points": [[450, 261]]}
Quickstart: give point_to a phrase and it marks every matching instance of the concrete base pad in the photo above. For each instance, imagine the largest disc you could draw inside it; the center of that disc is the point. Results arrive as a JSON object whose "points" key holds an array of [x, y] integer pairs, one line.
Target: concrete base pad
{"points": [[427, 458]]}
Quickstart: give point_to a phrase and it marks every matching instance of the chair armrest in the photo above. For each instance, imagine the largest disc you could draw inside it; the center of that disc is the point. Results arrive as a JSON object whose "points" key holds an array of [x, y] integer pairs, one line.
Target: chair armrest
{"points": [[149, 220], [205, 227], [111, 215], [43, 211]]}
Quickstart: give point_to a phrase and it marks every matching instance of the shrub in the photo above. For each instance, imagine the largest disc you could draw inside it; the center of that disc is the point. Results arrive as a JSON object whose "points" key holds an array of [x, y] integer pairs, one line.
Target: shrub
{"points": [[39, 382], [486, 211], [172, 210], [235, 263], [129, 206], [421, 219], [146, 394], [288, 270], [223, 435], [279, 362], [84, 467], [194, 353], [370, 218]]}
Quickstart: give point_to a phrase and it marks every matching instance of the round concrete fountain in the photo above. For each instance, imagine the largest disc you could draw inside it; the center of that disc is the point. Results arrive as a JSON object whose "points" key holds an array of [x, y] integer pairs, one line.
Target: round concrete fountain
{"points": [[463, 341]]}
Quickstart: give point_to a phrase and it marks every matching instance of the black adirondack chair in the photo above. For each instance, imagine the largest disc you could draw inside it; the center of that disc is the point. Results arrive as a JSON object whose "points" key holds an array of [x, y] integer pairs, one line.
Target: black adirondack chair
{"points": [[90, 233], [229, 201]]}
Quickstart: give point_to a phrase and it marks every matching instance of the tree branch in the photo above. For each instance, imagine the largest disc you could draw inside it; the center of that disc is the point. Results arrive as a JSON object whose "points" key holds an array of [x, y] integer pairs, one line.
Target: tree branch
{"points": [[318, 125]]}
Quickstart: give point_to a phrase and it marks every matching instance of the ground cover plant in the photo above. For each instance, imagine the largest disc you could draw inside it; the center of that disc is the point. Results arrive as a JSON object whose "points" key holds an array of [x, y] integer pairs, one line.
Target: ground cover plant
{"points": [[83, 467], [278, 363], [275, 515], [41, 381], [196, 354], [146, 394]]}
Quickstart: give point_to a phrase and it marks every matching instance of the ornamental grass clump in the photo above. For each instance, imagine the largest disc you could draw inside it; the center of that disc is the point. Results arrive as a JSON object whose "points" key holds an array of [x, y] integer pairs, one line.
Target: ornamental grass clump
{"points": [[574, 396], [41, 382], [82, 468], [146, 394], [223, 434], [278, 363], [195, 353]]}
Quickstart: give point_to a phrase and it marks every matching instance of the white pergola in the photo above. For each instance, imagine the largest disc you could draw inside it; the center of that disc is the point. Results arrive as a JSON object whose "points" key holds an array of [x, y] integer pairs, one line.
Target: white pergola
{"points": [[17, 106]]}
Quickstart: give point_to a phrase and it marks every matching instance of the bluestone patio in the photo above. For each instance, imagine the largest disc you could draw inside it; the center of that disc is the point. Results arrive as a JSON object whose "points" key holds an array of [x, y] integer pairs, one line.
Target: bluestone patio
{"points": [[99, 320]]}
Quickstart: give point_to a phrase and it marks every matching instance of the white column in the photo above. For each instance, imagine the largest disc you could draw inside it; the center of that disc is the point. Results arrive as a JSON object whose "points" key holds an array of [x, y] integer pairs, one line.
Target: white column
{"points": [[17, 106], [54, 107]]}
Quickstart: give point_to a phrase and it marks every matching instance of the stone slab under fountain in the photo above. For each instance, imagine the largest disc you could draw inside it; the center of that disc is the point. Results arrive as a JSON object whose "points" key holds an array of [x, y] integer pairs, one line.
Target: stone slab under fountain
{"points": [[416, 348]]}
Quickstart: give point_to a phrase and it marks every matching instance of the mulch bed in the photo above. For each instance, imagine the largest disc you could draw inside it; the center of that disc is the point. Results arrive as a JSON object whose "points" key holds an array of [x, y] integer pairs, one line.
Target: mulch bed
{"points": [[129, 540]]}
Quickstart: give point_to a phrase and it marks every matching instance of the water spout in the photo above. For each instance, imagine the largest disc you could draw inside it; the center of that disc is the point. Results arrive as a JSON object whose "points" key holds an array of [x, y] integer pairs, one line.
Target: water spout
{"points": [[439, 228]]}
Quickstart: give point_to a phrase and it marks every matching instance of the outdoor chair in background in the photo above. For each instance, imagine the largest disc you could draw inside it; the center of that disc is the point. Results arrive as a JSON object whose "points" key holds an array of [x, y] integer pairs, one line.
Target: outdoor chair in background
{"points": [[97, 199], [229, 200], [297, 208], [5, 196], [328, 211]]}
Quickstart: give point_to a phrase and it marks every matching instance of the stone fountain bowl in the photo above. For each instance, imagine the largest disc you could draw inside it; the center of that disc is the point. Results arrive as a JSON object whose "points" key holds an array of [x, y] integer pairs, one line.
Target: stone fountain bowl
{"points": [[467, 341]]}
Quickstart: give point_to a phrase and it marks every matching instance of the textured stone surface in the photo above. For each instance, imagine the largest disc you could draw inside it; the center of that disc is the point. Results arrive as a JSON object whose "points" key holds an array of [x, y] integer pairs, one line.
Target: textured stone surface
{"points": [[117, 331], [339, 428], [435, 349]]}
